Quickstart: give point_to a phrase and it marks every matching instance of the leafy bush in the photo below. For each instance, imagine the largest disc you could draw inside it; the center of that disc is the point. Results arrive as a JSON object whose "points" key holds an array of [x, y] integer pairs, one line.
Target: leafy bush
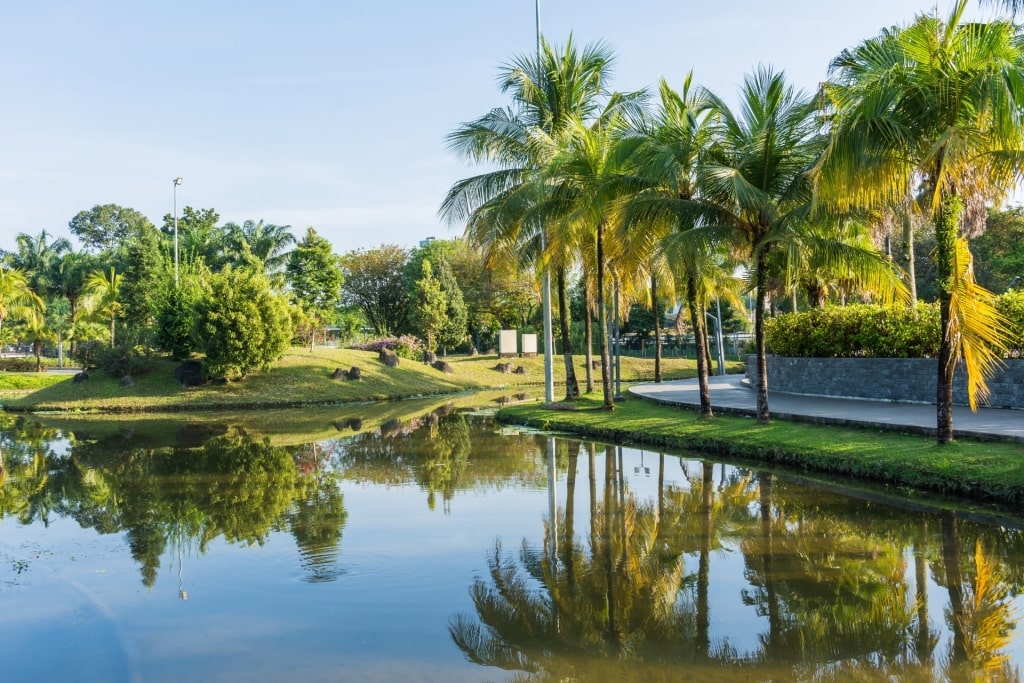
{"points": [[125, 358], [26, 364], [1011, 305], [175, 324], [242, 323], [861, 331], [85, 353], [405, 346]]}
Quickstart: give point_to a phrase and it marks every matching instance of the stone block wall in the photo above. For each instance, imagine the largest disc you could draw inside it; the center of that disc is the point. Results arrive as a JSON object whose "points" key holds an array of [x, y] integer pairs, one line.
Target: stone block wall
{"points": [[904, 380]]}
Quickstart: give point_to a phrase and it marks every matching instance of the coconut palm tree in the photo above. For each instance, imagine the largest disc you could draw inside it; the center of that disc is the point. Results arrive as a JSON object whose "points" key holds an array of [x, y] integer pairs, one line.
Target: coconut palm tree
{"points": [[37, 256], [670, 147], [15, 292], [500, 208], [103, 289], [266, 241], [938, 104]]}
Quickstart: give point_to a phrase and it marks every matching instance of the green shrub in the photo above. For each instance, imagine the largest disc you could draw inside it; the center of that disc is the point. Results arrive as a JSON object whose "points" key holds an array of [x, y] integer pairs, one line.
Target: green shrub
{"points": [[1011, 305], [859, 331]]}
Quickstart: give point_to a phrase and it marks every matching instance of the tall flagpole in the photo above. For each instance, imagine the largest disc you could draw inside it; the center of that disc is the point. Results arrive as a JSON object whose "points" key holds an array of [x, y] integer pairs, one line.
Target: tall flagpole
{"points": [[545, 292]]}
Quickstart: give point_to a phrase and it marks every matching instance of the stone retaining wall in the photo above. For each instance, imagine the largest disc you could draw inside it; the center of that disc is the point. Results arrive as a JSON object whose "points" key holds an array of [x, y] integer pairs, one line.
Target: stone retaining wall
{"points": [[905, 380]]}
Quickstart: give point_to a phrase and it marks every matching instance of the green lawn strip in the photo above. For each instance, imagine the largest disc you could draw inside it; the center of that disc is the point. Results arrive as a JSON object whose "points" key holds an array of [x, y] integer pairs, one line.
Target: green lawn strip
{"points": [[304, 378], [29, 381], [990, 471]]}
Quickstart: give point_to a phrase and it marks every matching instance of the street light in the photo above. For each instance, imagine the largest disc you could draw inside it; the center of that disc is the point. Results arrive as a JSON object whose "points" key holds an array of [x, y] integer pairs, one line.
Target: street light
{"points": [[545, 288], [177, 181]]}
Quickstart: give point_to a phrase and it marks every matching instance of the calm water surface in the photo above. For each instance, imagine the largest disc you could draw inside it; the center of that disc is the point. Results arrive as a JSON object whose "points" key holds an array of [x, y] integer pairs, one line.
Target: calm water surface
{"points": [[423, 543]]}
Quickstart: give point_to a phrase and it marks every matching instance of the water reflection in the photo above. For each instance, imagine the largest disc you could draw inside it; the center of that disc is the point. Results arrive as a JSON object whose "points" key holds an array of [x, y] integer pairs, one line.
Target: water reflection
{"points": [[639, 566], [838, 586]]}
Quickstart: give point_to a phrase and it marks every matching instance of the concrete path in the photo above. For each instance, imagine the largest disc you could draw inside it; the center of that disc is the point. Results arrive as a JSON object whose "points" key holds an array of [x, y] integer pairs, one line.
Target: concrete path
{"points": [[730, 395]]}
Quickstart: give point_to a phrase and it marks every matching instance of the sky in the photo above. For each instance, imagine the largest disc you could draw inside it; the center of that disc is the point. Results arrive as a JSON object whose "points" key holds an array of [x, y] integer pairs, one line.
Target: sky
{"points": [[333, 115]]}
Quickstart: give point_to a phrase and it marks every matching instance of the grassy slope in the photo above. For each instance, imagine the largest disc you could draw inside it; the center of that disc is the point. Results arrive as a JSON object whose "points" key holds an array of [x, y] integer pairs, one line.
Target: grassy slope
{"points": [[304, 378], [982, 471]]}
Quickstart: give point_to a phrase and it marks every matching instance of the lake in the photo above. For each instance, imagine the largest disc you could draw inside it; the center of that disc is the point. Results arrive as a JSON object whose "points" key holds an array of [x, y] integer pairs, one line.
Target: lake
{"points": [[420, 541]]}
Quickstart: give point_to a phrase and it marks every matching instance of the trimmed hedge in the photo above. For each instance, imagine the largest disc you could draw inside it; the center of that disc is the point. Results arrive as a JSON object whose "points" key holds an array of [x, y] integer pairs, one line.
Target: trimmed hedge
{"points": [[872, 331]]}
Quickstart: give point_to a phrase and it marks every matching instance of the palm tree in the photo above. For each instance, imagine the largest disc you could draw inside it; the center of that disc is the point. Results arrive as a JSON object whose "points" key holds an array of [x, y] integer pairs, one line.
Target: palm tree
{"points": [[266, 241], [37, 256], [753, 186], [937, 104], [671, 145], [500, 208], [15, 292], [104, 288]]}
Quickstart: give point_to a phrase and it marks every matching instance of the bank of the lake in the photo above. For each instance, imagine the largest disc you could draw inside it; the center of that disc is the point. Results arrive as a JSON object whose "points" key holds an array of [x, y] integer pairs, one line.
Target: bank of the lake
{"points": [[982, 471], [305, 378]]}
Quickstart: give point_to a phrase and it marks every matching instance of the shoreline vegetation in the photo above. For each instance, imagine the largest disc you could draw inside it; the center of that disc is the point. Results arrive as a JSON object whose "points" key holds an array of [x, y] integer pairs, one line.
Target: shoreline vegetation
{"points": [[303, 378], [979, 471], [984, 472]]}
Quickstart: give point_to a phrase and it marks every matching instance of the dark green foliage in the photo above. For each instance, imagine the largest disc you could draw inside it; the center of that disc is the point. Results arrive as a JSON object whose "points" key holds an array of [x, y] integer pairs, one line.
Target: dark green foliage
{"points": [[128, 357], [176, 320], [145, 274], [860, 331], [314, 273], [1011, 305], [243, 325], [999, 252]]}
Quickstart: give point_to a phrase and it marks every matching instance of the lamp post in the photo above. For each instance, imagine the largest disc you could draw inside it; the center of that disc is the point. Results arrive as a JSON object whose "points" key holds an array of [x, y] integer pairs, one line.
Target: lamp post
{"points": [[545, 291], [177, 181]]}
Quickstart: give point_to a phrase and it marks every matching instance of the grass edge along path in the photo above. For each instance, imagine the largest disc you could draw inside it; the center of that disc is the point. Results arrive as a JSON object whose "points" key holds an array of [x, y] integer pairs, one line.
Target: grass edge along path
{"points": [[981, 471]]}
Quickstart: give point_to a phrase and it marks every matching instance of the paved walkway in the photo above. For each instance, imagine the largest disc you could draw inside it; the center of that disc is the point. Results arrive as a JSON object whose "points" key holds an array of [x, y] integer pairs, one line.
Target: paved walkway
{"points": [[730, 395]]}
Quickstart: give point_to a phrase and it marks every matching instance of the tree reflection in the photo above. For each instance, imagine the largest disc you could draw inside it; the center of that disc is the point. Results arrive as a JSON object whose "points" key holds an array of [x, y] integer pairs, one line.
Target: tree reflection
{"points": [[840, 596], [237, 486]]}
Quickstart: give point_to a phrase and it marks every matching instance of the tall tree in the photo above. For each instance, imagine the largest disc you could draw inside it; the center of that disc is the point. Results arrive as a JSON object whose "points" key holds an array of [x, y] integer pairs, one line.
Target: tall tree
{"points": [[105, 226], [37, 257], [373, 284], [314, 273], [499, 208], [266, 241], [939, 104]]}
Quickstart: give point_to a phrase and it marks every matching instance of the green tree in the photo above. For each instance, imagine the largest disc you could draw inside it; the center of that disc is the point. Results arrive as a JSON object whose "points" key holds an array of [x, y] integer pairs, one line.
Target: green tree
{"points": [[104, 296], [176, 317], [199, 238], [450, 327], [15, 292], [999, 252], [105, 226], [314, 273], [146, 273], [243, 324], [429, 311], [374, 285], [266, 241], [939, 105], [37, 257], [501, 208]]}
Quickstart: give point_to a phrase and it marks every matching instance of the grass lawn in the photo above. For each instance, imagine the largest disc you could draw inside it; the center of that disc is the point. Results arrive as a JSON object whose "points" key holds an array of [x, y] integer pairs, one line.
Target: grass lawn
{"points": [[304, 378], [992, 471]]}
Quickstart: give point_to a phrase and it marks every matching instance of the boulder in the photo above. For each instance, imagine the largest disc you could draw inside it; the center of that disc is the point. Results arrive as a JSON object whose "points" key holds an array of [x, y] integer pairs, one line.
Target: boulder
{"points": [[80, 377], [503, 367], [389, 358], [354, 373], [126, 382], [190, 374], [520, 370], [595, 365], [473, 352], [429, 357], [443, 366], [339, 374]]}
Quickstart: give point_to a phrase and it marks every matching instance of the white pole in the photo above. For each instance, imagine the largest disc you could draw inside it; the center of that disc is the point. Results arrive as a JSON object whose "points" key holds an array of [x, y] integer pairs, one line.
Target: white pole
{"points": [[545, 291], [177, 181]]}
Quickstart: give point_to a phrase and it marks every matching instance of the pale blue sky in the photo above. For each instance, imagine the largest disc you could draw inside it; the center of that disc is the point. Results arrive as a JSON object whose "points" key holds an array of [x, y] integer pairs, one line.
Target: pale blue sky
{"points": [[332, 114]]}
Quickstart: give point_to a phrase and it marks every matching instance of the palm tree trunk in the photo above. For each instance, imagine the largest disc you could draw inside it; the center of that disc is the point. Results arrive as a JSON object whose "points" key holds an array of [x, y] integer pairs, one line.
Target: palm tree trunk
{"points": [[602, 323], [657, 329], [588, 333], [761, 281], [954, 586], [704, 566], [945, 247], [700, 339], [572, 387], [907, 256]]}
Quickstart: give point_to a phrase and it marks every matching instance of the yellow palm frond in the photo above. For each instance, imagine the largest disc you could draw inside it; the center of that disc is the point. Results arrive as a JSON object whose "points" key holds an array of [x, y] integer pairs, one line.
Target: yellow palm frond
{"points": [[978, 332]]}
